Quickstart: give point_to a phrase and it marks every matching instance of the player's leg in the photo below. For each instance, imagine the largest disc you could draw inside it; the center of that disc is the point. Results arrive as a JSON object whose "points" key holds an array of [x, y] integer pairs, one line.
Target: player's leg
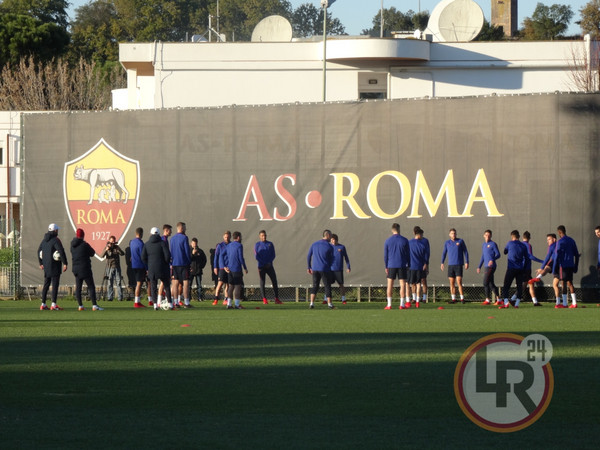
{"points": [[452, 281], [390, 289]]}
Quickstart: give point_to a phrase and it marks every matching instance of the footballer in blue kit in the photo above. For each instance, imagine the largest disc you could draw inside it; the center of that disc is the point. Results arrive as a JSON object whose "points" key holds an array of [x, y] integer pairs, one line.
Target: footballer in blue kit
{"points": [[517, 256], [234, 263], [546, 268], [219, 268], [264, 252], [337, 267], [419, 262], [597, 232], [396, 257], [458, 256], [566, 263], [181, 257], [319, 260], [489, 255]]}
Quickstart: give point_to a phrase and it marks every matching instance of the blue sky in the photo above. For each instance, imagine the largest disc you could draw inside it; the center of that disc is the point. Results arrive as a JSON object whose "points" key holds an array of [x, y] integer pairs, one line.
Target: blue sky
{"points": [[357, 15]]}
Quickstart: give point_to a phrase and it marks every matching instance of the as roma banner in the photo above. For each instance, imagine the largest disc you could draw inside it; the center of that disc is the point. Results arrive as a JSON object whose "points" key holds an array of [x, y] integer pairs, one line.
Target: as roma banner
{"points": [[527, 162], [101, 190]]}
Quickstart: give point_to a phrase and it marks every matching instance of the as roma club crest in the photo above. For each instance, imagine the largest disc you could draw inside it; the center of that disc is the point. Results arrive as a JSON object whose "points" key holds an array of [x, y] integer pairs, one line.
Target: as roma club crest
{"points": [[101, 193]]}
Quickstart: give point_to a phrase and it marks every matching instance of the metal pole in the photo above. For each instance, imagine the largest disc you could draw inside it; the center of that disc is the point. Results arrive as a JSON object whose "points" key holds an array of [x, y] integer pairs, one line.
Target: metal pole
{"points": [[324, 3], [381, 21]]}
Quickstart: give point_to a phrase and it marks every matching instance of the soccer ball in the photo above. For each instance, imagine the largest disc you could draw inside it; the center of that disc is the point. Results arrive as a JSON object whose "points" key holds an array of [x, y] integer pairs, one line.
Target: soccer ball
{"points": [[164, 305], [56, 256]]}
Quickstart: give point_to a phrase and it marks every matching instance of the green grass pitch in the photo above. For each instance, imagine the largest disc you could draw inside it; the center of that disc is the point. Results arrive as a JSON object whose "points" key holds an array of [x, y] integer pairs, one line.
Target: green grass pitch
{"points": [[276, 376]]}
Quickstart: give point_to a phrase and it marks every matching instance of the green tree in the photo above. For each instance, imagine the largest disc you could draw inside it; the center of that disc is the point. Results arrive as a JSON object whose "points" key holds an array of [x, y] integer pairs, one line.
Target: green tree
{"points": [[173, 20], [394, 20], [547, 22], [490, 32], [95, 32], [22, 35], [165, 20], [590, 19], [307, 20], [420, 20], [46, 11], [238, 19]]}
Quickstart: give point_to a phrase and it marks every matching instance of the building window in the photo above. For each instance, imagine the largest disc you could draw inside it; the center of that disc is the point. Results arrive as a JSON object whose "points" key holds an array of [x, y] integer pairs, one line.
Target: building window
{"points": [[372, 85], [372, 95]]}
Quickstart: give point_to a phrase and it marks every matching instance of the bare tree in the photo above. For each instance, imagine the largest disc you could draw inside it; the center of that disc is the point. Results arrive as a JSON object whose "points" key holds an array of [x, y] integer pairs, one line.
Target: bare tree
{"points": [[57, 86], [584, 65]]}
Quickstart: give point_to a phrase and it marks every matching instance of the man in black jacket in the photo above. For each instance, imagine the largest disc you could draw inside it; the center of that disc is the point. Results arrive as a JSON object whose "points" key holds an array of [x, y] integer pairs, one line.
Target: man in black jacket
{"points": [[157, 257], [112, 252], [51, 256], [82, 252]]}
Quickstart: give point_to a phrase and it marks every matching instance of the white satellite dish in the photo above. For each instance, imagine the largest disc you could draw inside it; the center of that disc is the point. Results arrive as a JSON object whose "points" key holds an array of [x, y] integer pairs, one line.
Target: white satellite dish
{"points": [[455, 21], [272, 29]]}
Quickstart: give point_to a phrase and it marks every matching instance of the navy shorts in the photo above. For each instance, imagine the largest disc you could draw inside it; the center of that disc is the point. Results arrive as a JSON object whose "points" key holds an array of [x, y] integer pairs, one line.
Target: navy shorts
{"points": [[235, 278], [139, 275], [181, 273], [566, 274], [223, 276], [337, 276], [415, 276], [455, 271], [397, 272]]}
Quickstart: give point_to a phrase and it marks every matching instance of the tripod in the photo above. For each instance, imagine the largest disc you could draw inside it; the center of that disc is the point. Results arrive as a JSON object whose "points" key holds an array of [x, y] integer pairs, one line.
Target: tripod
{"points": [[104, 285]]}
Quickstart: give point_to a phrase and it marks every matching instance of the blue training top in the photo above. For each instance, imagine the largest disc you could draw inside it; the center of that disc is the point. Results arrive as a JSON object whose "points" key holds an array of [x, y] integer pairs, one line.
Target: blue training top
{"points": [[339, 256], [220, 255], [181, 254], [396, 252], [517, 255], [264, 252], [456, 251], [419, 253], [566, 254], [235, 257], [489, 252], [136, 245], [320, 256]]}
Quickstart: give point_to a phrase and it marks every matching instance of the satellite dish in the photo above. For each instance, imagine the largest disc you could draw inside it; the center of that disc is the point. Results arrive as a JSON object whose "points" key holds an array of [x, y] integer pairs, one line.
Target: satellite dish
{"points": [[455, 21], [272, 29]]}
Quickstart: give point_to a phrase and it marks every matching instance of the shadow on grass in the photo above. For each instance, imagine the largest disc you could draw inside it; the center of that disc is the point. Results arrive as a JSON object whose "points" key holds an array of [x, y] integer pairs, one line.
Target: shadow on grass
{"points": [[342, 390]]}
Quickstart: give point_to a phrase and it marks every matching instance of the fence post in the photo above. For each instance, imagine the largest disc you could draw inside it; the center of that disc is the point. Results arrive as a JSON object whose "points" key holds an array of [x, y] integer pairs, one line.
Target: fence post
{"points": [[358, 294]]}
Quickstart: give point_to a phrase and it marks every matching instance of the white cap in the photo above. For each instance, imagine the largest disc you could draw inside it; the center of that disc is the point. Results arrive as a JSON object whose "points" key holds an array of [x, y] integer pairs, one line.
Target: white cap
{"points": [[53, 227], [154, 230]]}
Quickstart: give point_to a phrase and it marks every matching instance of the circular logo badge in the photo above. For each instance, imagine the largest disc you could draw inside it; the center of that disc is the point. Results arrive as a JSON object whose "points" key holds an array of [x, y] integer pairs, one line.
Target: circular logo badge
{"points": [[504, 382]]}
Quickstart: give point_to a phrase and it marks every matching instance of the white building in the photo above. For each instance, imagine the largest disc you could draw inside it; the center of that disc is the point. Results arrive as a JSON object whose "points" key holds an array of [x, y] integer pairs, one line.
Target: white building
{"points": [[167, 75], [10, 175]]}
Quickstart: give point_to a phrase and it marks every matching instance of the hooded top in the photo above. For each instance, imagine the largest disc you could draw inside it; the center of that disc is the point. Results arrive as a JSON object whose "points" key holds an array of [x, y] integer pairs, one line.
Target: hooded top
{"points": [[156, 256], [81, 252], [50, 244]]}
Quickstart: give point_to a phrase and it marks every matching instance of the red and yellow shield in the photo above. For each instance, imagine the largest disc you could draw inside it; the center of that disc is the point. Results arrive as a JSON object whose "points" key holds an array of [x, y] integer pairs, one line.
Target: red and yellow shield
{"points": [[101, 190]]}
